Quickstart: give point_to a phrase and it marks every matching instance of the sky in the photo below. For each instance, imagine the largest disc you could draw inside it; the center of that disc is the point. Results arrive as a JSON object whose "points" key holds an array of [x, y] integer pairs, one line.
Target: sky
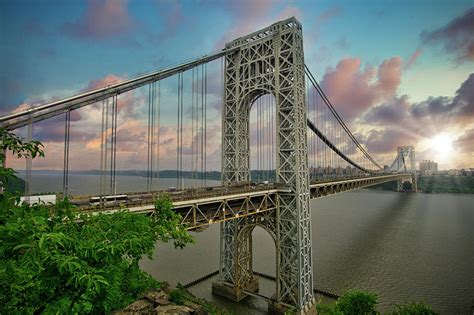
{"points": [[398, 72]]}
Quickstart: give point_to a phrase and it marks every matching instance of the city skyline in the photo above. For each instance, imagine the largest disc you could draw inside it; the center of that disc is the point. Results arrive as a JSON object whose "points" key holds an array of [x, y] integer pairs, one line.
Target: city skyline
{"points": [[409, 82]]}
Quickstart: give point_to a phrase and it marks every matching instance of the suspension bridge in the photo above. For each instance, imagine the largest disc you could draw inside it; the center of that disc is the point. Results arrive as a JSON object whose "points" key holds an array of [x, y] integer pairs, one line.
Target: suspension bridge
{"points": [[283, 143]]}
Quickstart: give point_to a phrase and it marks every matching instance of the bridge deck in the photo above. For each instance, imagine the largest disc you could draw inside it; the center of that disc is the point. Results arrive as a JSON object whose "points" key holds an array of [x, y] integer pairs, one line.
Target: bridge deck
{"points": [[202, 208]]}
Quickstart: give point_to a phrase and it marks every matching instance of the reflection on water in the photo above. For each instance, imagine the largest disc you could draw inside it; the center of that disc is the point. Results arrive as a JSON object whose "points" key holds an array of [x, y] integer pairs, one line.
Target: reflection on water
{"points": [[403, 246]]}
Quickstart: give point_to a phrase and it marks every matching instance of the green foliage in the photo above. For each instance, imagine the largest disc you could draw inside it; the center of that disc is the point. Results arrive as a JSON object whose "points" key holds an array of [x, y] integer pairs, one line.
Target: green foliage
{"points": [[446, 184], [357, 302], [56, 260], [414, 308], [326, 309], [437, 184], [177, 296], [352, 302], [168, 223], [14, 185], [19, 148]]}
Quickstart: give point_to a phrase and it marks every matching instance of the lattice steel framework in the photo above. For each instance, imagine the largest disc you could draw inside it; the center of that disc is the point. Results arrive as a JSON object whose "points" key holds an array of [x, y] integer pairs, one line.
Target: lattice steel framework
{"points": [[270, 61], [405, 162]]}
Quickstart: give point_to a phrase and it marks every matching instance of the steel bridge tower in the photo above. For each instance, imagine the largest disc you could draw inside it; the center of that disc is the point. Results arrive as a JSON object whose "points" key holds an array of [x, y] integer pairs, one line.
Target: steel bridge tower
{"points": [[405, 161], [269, 61]]}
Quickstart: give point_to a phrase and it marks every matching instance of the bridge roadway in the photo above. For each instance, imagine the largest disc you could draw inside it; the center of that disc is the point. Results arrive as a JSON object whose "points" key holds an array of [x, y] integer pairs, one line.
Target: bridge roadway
{"points": [[200, 208]]}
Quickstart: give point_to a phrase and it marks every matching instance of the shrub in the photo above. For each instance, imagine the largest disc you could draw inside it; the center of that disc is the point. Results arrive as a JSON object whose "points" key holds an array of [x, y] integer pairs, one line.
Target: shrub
{"points": [[414, 308], [357, 302]]}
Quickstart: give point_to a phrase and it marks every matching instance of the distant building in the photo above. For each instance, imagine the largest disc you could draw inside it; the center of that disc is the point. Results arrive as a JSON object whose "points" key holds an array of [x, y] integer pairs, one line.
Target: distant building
{"points": [[428, 165], [454, 172]]}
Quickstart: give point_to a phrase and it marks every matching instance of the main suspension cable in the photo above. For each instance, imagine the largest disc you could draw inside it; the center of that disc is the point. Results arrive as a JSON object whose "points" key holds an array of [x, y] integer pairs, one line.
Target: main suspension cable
{"points": [[336, 115]]}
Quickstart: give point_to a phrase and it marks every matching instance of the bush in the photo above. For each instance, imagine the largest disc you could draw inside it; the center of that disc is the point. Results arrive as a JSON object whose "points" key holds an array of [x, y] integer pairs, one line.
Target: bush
{"points": [[357, 302], [352, 302], [414, 308], [177, 296]]}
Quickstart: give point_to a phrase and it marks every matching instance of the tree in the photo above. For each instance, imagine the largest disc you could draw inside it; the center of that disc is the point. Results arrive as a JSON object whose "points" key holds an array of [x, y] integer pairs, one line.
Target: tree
{"points": [[20, 149], [55, 259]]}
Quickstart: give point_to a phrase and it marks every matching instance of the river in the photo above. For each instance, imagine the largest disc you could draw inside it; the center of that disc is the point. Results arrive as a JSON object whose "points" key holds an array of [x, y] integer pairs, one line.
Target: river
{"points": [[403, 246]]}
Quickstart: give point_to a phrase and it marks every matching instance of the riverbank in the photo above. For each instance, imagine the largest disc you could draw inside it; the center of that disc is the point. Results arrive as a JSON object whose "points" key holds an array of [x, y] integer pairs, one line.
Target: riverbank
{"points": [[440, 184], [165, 300]]}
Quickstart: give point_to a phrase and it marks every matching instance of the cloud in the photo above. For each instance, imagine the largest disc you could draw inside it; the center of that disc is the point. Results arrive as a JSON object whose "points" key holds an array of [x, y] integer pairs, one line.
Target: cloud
{"points": [[352, 91], [401, 122], [247, 16], [329, 14], [171, 12], [457, 37], [102, 20], [461, 106], [386, 141], [323, 18], [466, 141], [413, 58], [425, 116], [126, 102], [393, 111]]}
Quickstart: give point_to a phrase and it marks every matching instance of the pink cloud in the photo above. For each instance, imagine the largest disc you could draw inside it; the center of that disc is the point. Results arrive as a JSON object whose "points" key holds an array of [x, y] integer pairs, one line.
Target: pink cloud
{"points": [[126, 101], [251, 15], [102, 19], [352, 90], [109, 79], [413, 58]]}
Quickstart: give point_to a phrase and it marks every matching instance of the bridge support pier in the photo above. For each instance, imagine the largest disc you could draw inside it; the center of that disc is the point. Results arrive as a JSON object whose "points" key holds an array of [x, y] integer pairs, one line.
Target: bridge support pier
{"points": [[235, 293], [275, 308]]}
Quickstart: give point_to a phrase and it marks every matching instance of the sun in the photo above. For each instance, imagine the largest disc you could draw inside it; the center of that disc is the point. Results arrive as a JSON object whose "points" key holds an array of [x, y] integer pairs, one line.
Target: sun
{"points": [[442, 144]]}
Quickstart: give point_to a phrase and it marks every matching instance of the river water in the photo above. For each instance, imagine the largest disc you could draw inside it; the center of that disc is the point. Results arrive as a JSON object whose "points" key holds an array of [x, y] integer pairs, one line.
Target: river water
{"points": [[403, 246]]}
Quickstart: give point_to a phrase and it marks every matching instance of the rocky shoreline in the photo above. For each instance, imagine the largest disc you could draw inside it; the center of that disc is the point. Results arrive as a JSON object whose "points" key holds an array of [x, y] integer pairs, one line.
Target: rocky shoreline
{"points": [[169, 301]]}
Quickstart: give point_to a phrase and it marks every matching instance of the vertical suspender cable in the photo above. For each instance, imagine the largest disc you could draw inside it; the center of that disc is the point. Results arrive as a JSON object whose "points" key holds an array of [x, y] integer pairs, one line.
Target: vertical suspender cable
{"points": [[67, 129], [259, 142], [112, 146], [181, 135], [268, 138], [28, 162], [205, 124], [223, 115], [196, 125], [202, 124], [148, 141], [115, 144], [153, 133], [102, 151], [177, 133], [158, 136], [193, 88], [272, 118], [106, 142]]}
